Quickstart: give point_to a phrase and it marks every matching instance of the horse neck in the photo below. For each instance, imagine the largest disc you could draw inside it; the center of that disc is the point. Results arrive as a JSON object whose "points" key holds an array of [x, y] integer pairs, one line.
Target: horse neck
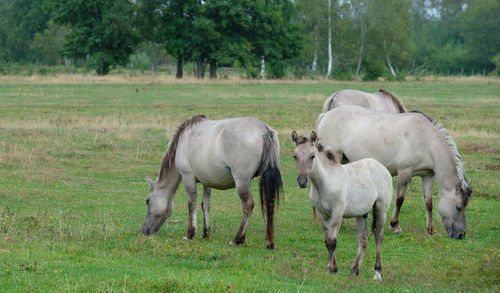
{"points": [[323, 177], [445, 168], [169, 182]]}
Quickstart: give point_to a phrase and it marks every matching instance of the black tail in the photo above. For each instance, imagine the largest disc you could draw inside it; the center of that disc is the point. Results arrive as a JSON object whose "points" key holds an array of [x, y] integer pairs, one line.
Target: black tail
{"points": [[271, 184]]}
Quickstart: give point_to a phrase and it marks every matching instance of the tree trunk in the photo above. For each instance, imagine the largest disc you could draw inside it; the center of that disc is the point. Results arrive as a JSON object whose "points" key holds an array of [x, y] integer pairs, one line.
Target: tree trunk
{"points": [[155, 59], [389, 65], [213, 68], [262, 67], [200, 72], [330, 58], [361, 49], [314, 65], [387, 60], [102, 67], [179, 66], [139, 62]]}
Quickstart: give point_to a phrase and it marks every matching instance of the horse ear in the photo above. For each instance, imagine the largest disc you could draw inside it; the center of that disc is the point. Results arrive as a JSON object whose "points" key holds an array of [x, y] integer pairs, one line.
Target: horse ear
{"points": [[150, 181], [314, 137], [295, 136]]}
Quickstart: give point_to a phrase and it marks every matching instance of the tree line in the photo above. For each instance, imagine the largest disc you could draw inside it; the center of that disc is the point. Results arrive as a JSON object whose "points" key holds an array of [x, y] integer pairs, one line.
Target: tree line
{"points": [[341, 39]]}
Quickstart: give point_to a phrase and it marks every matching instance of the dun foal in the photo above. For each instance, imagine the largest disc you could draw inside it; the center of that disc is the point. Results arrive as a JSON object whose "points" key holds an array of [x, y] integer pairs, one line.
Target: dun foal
{"points": [[339, 191]]}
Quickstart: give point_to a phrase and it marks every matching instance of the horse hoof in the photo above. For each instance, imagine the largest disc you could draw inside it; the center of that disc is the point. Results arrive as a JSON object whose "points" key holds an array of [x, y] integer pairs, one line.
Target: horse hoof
{"points": [[377, 276], [397, 230], [271, 246], [186, 238], [331, 270], [236, 243]]}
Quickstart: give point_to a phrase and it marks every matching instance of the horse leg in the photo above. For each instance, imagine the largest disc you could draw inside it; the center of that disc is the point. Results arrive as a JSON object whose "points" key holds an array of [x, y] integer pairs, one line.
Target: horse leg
{"points": [[247, 205], [400, 197], [428, 182], [331, 244], [379, 216], [362, 243], [190, 185], [205, 205]]}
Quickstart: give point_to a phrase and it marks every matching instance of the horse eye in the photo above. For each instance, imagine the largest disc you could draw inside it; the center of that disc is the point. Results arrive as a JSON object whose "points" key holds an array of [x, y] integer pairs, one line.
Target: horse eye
{"points": [[459, 208], [312, 157]]}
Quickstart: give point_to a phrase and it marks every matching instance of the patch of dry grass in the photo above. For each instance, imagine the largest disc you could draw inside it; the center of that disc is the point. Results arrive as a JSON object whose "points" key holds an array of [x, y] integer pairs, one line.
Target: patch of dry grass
{"points": [[162, 78]]}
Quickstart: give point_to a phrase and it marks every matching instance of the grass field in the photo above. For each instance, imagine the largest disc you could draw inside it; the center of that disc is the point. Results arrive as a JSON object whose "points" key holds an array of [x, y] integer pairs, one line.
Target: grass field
{"points": [[74, 154]]}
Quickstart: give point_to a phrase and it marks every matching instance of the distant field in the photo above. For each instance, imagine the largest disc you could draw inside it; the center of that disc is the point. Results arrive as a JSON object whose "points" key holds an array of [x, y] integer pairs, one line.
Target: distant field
{"points": [[74, 152]]}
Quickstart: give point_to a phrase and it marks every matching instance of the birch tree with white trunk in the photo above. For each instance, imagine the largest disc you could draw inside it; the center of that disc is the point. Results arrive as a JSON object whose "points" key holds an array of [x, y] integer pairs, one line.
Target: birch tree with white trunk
{"points": [[359, 11], [330, 57]]}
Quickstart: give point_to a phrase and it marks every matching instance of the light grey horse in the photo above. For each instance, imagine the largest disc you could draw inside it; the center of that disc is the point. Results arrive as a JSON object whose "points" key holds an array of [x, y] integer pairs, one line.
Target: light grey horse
{"points": [[219, 154], [381, 101], [338, 191], [407, 144]]}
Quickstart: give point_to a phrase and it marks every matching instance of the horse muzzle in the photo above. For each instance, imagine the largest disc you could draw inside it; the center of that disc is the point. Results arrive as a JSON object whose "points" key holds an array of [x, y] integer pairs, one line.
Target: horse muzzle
{"points": [[459, 236], [146, 231], [302, 181]]}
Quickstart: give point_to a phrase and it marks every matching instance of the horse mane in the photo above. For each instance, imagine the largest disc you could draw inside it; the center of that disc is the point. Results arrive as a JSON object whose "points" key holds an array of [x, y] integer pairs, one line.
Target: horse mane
{"points": [[301, 139], [321, 148], [169, 158], [462, 184], [395, 100]]}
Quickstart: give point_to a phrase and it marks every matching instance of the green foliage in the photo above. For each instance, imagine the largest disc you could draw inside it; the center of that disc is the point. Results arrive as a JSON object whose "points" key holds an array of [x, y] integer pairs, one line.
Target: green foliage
{"points": [[372, 69], [101, 31], [496, 61], [48, 46], [479, 25], [443, 37], [20, 20]]}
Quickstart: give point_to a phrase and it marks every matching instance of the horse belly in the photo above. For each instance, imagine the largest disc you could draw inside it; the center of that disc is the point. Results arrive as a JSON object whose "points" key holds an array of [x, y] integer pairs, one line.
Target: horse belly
{"points": [[218, 177], [359, 205]]}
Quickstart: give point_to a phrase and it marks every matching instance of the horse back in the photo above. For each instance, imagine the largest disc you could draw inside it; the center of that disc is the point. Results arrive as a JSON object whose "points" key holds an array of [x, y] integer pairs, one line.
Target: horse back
{"points": [[380, 101], [395, 140], [215, 150]]}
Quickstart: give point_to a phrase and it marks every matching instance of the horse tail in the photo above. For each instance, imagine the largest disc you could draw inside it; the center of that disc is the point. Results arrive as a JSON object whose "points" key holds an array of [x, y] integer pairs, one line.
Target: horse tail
{"points": [[271, 184], [331, 102]]}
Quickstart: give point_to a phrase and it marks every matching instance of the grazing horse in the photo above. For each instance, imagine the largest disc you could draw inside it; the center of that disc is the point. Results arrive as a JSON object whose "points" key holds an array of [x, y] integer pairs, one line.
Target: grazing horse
{"points": [[347, 191], [381, 101], [219, 154], [407, 144]]}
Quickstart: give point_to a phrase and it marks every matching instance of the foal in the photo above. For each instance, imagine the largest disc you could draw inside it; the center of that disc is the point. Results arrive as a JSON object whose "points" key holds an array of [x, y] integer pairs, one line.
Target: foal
{"points": [[339, 191]]}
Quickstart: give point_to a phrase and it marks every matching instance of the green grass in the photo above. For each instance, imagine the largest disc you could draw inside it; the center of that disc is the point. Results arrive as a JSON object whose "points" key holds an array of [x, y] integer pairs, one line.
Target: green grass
{"points": [[73, 158]]}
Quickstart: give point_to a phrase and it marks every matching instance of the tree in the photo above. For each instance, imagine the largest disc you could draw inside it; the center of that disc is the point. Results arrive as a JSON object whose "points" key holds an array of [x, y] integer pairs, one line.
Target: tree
{"points": [[313, 17], [149, 29], [20, 20], [273, 36], [47, 47], [101, 31], [177, 28], [330, 57], [479, 25], [359, 8], [390, 31]]}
